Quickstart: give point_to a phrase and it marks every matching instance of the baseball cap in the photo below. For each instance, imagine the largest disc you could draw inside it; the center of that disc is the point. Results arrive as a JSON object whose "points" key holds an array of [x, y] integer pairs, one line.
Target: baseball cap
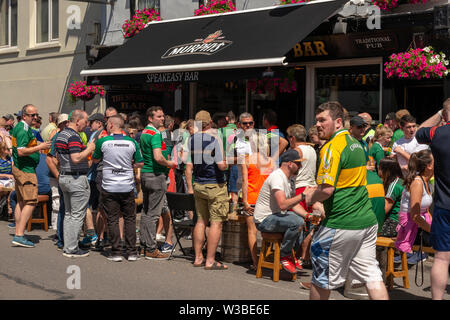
{"points": [[290, 155], [357, 121], [203, 116], [8, 117], [18, 114], [61, 118], [97, 116]]}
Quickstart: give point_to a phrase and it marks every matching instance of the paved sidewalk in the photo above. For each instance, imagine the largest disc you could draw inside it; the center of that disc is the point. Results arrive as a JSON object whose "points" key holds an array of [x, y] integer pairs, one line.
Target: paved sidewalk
{"points": [[42, 273]]}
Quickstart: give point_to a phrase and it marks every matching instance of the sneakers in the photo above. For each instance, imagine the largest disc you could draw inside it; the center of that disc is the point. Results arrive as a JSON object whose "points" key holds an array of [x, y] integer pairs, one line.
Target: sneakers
{"points": [[287, 264], [412, 258], [99, 245], [142, 251], [160, 237], [77, 254], [298, 264], [114, 258], [134, 257], [166, 248], [89, 241], [22, 242], [417, 257], [12, 225], [398, 259], [156, 255]]}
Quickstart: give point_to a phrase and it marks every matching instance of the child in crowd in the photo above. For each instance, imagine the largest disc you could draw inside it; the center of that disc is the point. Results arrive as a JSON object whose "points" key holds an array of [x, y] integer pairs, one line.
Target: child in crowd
{"points": [[392, 177], [380, 143]]}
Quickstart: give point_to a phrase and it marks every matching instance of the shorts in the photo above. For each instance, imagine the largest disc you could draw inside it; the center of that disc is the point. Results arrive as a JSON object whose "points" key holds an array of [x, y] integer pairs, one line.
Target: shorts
{"points": [[233, 179], [94, 196], [303, 203], [440, 229], [211, 202], [338, 254], [26, 186]]}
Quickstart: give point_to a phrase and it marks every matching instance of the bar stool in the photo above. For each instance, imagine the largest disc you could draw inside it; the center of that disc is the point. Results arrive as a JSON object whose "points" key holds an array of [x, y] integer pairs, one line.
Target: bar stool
{"points": [[42, 208], [390, 273], [269, 240]]}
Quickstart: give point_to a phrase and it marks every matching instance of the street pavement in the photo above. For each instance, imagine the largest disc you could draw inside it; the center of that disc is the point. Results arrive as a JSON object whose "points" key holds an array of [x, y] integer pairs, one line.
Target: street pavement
{"points": [[44, 273]]}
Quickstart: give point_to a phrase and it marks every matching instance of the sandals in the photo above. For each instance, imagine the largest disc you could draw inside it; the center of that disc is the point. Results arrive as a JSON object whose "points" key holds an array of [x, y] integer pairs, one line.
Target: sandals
{"points": [[198, 265], [216, 266]]}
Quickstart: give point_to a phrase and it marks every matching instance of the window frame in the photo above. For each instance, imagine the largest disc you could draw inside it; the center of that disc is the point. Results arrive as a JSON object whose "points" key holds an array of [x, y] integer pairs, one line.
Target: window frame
{"points": [[50, 38], [9, 16]]}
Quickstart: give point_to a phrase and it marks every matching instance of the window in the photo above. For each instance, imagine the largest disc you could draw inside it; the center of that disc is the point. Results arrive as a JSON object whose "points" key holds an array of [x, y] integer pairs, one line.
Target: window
{"points": [[147, 4], [8, 23], [47, 19]]}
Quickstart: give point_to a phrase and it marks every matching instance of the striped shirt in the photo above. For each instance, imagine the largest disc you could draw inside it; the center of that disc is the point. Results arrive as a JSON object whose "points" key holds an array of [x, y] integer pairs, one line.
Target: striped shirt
{"points": [[67, 143], [6, 165]]}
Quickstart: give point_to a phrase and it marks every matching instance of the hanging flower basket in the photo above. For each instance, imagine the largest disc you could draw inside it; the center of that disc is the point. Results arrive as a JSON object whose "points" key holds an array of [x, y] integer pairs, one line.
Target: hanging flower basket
{"points": [[388, 5], [78, 90], [215, 6], [417, 64], [133, 26]]}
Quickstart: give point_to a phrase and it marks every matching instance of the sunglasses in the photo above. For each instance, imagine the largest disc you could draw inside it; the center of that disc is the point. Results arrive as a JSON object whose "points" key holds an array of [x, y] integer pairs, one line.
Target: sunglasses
{"points": [[32, 114], [247, 123]]}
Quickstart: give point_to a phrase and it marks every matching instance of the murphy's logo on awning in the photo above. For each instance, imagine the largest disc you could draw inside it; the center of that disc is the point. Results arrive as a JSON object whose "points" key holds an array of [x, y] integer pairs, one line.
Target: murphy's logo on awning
{"points": [[208, 46]]}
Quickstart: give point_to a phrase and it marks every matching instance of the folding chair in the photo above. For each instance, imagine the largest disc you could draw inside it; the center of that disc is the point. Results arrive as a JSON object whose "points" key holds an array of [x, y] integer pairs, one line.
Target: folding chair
{"points": [[185, 202]]}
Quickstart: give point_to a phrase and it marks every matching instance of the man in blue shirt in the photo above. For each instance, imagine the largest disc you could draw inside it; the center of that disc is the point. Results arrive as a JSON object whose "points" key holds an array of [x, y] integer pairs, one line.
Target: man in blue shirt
{"points": [[436, 132], [206, 163]]}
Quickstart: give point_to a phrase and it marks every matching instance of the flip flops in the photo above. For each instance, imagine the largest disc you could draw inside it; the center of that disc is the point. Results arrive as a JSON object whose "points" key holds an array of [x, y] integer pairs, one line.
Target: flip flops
{"points": [[198, 265], [216, 266]]}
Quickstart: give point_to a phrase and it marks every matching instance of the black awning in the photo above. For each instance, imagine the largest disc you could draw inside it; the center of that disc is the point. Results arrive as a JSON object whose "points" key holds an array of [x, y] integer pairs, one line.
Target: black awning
{"points": [[241, 39]]}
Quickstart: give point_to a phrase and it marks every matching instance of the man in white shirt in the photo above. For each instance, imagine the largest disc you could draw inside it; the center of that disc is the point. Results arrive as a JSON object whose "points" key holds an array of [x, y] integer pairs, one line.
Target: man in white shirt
{"points": [[404, 147], [271, 210]]}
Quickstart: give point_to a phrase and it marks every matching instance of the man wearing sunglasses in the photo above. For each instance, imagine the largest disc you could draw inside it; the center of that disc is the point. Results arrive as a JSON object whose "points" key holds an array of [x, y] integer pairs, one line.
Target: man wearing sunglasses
{"points": [[26, 159]]}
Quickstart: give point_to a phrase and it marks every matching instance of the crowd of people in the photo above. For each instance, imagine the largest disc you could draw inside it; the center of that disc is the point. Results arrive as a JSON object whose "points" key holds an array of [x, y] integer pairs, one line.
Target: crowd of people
{"points": [[332, 189]]}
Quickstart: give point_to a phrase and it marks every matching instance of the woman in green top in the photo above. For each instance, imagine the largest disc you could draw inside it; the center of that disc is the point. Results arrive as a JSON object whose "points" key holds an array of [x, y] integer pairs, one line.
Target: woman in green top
{"points": [[391, 174], [380, 142]]}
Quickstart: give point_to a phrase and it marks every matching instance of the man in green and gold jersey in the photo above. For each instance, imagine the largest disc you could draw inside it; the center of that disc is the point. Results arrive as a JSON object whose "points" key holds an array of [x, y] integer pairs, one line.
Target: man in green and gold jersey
{"points": [[25, 150], [344, 246]]}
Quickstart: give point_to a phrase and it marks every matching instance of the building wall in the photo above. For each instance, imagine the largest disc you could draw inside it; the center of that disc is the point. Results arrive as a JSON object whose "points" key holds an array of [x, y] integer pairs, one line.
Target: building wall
{"points": [[40, 73]]}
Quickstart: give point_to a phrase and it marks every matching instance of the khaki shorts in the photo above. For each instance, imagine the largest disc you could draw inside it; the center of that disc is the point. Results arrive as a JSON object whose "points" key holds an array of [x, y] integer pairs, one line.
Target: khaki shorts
{"points": [[211, 202], [26, 186]]}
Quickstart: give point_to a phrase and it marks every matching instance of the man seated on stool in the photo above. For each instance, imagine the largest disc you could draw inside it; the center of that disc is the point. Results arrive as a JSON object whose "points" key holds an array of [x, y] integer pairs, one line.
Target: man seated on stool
{"points": [[278, 210]]}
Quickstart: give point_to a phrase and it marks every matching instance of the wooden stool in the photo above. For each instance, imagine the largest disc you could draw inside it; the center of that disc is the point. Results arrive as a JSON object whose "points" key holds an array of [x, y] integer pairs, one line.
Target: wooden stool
{"points": [[42, 206], [390, 273], [270, 239]]}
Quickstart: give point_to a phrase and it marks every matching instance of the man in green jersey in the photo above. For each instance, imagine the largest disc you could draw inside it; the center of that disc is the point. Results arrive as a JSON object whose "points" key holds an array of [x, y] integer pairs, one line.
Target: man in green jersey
{"points": [[25, 150], [344, 246], [153, 181]]}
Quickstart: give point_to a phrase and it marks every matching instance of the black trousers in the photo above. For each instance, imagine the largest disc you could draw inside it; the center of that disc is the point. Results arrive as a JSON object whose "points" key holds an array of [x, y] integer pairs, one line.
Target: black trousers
{"points": [[115, 203]]}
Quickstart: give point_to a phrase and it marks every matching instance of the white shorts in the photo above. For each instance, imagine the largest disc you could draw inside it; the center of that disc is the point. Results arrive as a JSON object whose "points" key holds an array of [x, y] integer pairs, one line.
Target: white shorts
{"points": [[338, 254]]}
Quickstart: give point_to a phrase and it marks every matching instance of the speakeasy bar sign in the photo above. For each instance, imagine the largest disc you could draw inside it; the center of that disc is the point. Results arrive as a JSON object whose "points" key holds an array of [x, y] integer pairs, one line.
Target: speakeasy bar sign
{"points": [[212, 44], [172, 77]]}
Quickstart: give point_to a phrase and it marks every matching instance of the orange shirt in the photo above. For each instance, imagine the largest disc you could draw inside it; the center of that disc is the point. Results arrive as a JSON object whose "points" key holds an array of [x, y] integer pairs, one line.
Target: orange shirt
{"points": [[256, 178]]}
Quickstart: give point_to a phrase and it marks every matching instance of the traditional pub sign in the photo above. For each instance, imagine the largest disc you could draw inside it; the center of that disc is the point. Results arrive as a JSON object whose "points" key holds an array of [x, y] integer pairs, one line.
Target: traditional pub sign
{"points": [[127, 101], [339, 46]]}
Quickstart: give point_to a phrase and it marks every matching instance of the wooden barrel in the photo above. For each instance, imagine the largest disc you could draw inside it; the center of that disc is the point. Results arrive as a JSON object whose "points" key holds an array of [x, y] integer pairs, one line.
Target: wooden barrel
{"points": [[234, 242]]}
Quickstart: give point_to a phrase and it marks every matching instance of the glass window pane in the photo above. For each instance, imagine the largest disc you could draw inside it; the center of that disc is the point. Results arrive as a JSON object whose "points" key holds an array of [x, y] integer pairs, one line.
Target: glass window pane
{"points": [[357, 88], [42, 21], [4, 23], [13, 23], [145, 4], [55, 19]]}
